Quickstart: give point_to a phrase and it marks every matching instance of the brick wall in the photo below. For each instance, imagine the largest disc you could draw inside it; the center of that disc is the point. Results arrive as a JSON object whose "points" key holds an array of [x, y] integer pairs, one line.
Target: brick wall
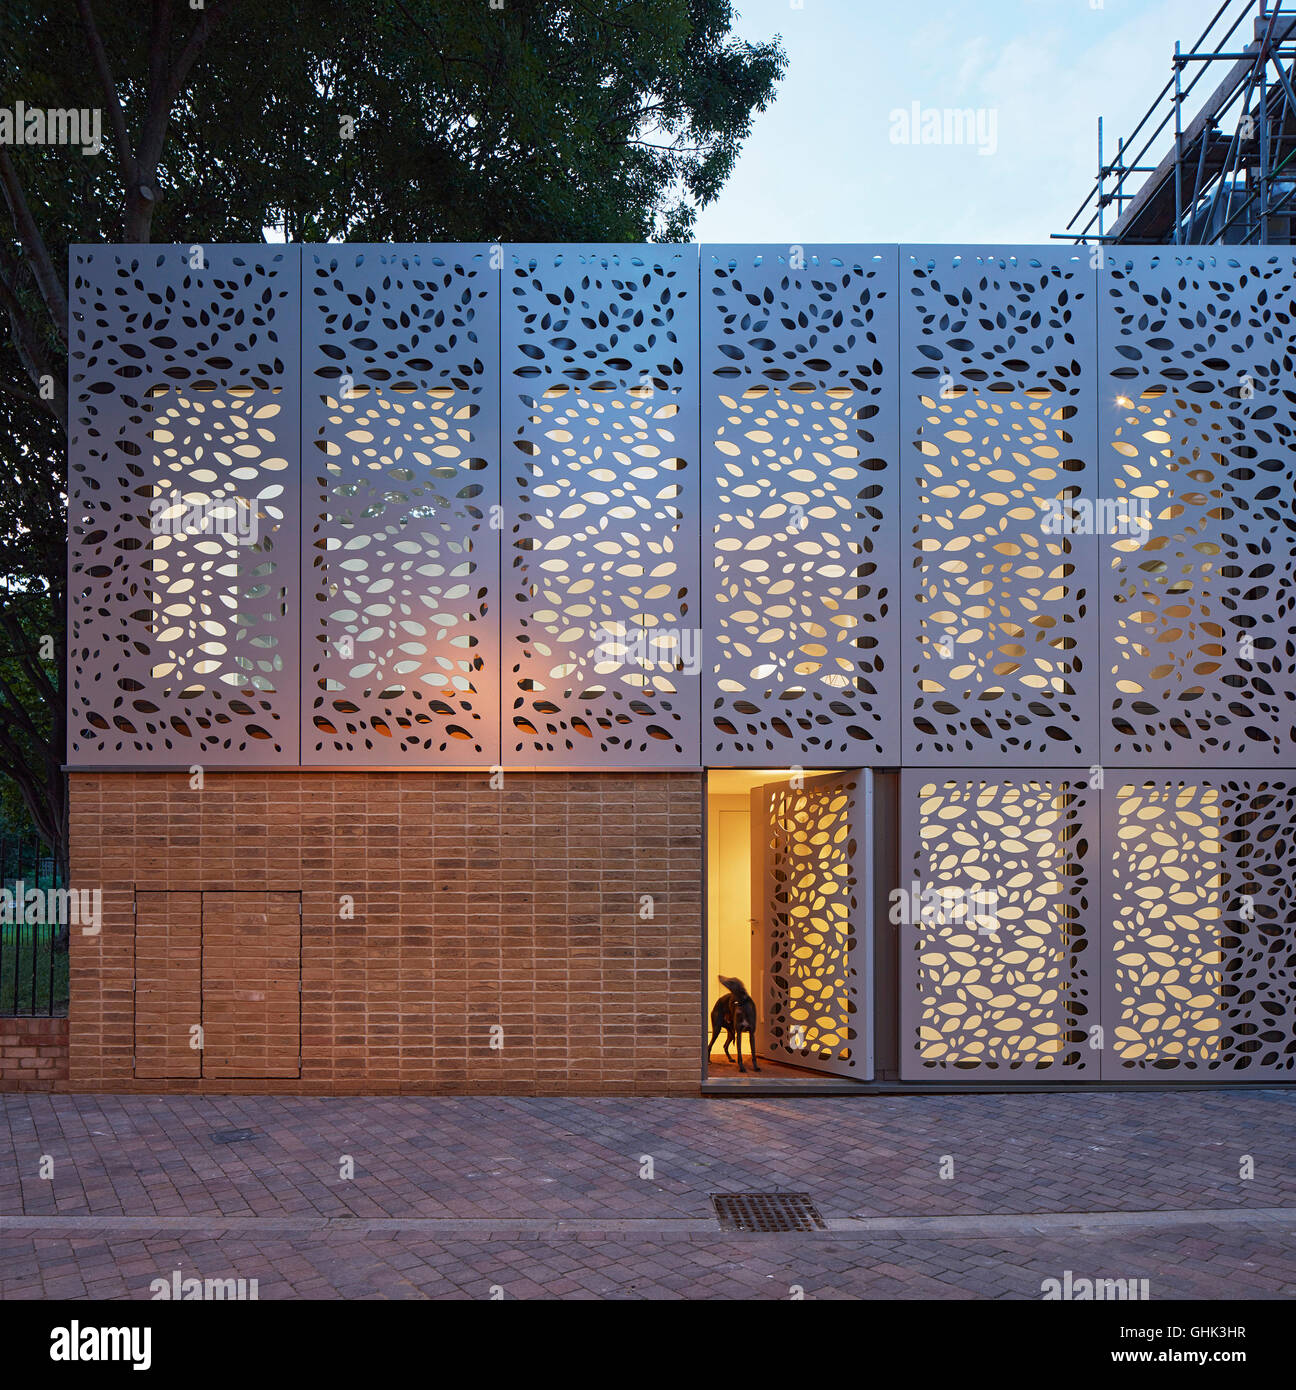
{"points": [[33, 1053], [473, 908]]}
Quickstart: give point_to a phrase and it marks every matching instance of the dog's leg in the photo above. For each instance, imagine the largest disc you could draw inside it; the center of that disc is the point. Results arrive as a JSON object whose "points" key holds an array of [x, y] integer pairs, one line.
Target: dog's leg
{"points": [[741, 1068], [729, 1037], [714, 1035], [751, 1042]]}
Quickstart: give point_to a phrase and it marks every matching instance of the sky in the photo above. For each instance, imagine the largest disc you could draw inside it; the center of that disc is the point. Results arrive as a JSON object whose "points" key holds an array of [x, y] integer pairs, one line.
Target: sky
{"points": [[829, 160]]}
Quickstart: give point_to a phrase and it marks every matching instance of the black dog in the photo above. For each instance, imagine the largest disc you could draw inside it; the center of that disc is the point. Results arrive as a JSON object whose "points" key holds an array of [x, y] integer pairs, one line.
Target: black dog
{"points": [[735, 1012]]}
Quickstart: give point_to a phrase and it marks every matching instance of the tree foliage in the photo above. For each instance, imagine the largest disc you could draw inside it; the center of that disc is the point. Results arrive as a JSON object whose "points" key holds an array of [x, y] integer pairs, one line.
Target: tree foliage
{"points": [[371, 120]]}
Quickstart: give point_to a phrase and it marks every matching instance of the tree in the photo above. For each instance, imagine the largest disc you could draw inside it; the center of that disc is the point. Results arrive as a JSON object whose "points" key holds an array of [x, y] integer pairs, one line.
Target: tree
{"points": [[375, 120]]}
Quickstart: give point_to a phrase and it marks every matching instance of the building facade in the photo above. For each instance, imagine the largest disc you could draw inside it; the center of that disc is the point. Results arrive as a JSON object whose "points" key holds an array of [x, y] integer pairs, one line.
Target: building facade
{"points": [[475, 650]]}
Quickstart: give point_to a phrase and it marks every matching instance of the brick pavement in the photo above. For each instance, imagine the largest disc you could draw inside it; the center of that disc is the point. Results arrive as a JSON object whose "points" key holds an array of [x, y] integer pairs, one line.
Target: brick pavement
{"points": [[1192, 1262], [139, 1160]]}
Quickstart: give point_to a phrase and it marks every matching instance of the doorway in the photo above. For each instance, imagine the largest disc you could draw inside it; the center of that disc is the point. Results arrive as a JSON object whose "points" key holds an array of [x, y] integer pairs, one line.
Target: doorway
{"points": [[789, 883]]}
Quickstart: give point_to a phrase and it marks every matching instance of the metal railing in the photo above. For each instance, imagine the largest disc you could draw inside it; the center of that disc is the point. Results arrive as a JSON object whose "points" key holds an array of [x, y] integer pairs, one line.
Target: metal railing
{"points": [[33, 953]]}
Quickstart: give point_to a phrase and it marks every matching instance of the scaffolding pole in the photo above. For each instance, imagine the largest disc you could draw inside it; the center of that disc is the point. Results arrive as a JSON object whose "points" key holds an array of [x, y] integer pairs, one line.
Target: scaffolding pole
{"points": [[1225, 176]]}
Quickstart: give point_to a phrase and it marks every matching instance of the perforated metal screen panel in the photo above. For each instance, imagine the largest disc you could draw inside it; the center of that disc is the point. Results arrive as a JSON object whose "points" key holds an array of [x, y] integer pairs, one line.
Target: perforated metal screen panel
{"points": [[629, 584], [183, 511], [997, 915], [815, 836], [1199, 957], [998, 434], [400, 556], [1199, 424], [601, 499], [800, 436]]}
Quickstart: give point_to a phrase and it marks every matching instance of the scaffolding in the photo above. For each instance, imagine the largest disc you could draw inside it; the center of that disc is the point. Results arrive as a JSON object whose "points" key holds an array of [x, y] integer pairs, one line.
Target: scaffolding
{"points": [[1229, 175]]}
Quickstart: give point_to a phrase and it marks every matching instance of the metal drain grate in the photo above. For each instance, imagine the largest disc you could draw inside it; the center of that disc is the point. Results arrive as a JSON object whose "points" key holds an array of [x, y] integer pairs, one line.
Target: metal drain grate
{"points": [[766, 1211], [233, 1136]]}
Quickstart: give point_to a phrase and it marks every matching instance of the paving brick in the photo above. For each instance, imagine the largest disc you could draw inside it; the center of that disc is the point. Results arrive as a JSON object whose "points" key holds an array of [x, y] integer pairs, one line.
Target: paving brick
{"points": [[128, 1156]]}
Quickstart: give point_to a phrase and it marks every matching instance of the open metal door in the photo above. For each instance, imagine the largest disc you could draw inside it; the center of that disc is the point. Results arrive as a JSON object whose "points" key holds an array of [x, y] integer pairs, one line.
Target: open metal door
{"points": [[812, 878]]}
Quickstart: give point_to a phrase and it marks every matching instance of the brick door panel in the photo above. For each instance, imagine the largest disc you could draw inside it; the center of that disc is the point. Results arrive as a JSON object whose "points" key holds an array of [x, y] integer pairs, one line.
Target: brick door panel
{"points": [[251, 964], [168, 984]]}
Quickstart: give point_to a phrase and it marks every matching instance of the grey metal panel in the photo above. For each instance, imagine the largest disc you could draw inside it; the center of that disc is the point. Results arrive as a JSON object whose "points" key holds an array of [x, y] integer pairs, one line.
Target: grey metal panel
{"points": [[601, 499], [801, 513], [818, 862], [183, 610], [1199, 426], [998, 433], [1004, 986], [1199, 959], [400, 556]]}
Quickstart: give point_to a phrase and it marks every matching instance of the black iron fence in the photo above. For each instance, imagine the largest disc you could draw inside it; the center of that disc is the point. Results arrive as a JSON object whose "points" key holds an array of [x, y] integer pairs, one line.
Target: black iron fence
{"points": [[34, 930]]}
